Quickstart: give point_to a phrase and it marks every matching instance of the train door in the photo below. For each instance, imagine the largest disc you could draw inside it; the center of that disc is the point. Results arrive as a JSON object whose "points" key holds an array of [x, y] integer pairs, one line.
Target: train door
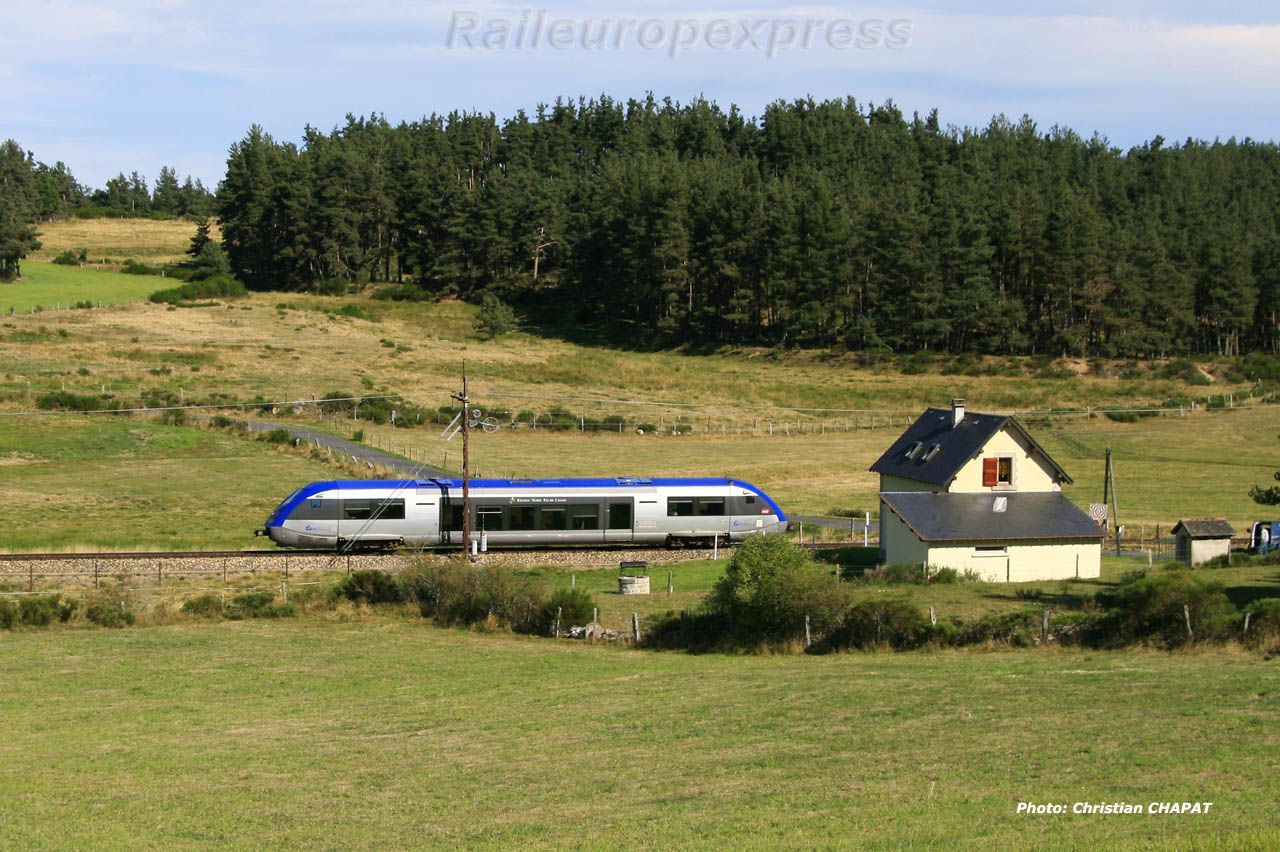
{"points": [[426, 515], [619, 519]]}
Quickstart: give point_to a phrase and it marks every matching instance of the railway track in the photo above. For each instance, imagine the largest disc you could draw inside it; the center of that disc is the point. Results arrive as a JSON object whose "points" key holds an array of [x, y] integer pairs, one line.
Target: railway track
{"points": [[104, 556], [25, 572]]}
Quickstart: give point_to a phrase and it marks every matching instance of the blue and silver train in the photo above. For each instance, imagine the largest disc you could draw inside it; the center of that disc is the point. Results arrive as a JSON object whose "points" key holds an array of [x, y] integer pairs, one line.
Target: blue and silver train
{"points": [[515, 512]]}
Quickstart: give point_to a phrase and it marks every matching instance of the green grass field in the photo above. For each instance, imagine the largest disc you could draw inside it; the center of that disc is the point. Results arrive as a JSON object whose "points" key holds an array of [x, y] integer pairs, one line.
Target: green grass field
{"points": [[48, 287], [121, 484], [385, 733]]}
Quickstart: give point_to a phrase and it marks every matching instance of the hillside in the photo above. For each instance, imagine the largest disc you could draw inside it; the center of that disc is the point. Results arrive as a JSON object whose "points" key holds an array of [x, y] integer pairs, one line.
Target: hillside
{"points": [[298, 347]]}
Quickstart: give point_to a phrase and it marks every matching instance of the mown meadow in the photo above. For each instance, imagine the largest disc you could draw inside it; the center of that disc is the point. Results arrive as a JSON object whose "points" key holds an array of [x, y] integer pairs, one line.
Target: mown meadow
{"points": [[381, 733]]}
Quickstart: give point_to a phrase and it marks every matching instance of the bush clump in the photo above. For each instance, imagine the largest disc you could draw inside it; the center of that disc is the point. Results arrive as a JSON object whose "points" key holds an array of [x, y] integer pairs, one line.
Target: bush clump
{"points": [[71, 258], [68, 401], [1155, 609], [213, 287], [769, 587], [369, 587], [110, 614], [893, 623], [258, 605], [459, 593], [575, 608], [134, 267], [36, 611], [208, 605]]}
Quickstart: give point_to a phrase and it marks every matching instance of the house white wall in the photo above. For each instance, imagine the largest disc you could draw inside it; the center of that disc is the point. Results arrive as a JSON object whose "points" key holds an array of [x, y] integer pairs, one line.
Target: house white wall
{"points": [[1030, 470], [1022, 562], [1204, 549], [897, 542], [897, 483]]}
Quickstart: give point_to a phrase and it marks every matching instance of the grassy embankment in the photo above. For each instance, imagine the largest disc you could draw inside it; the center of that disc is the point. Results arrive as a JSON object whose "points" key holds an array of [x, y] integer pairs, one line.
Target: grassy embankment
{"points": [[389, 734]]}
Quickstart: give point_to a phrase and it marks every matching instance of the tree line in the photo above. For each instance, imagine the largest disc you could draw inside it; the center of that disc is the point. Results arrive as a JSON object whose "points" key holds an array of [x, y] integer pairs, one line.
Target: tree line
{"points": [[819, 224]]}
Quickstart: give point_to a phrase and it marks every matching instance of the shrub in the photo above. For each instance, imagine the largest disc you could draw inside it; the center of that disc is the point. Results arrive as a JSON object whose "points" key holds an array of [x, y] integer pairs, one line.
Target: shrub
{"points": [[208, 605], [946, 576], [331, 287], [458, 592], [219, 421], [278, 436], [43, 610], [1151, 608], [1264, 619], [770, 586], [134, 267], [369, 587], [1021, 628], [258, 605], [109, 613], [575, 606], [68, 401], [356, 312], [494, 318], [67, 258], [894, 622], [36, 611], [213, 287]]}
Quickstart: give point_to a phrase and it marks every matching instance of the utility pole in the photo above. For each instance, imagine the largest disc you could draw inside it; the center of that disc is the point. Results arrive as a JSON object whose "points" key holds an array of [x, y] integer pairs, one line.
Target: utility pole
{"points": [[465, 399]]}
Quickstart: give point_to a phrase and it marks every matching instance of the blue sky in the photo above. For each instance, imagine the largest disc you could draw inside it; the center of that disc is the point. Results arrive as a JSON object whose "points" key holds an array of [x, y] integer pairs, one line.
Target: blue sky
{"points": [[137, 84]]}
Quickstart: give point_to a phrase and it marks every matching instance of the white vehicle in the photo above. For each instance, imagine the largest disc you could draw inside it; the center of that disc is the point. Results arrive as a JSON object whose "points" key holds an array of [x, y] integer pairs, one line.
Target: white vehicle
{"points": [[516, 512]]}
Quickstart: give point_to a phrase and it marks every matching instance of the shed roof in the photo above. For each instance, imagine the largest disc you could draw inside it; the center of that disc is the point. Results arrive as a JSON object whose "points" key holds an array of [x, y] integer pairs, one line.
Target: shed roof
{"points": [[944, 449], [1204, 528], [971, 517]]}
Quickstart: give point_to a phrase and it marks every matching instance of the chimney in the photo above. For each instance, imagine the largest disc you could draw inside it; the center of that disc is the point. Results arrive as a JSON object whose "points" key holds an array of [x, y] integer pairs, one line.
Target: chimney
{"points": [[957, 412]]}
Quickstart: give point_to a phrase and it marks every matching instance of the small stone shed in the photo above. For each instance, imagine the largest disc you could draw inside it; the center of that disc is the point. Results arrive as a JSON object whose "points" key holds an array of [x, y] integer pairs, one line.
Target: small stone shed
{"points": [[1202, 539]]}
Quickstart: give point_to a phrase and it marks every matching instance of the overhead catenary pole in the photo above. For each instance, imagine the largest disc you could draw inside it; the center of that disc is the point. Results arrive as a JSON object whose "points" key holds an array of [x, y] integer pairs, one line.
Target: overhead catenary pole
{"points": [[465, 399]]}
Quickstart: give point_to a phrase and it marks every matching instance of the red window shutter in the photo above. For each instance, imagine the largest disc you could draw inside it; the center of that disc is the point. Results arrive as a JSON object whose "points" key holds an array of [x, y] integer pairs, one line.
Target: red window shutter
{"points": [[989, 471]]}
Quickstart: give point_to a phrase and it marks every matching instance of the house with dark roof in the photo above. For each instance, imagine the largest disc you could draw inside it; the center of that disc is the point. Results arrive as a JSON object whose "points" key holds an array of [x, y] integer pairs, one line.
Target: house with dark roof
{"points": [[976, 492], [1201, 539]]}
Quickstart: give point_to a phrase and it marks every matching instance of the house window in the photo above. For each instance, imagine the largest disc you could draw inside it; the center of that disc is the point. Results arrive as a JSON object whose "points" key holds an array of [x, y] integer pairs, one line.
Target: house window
{"points": [[997, 471], [991, 550]]}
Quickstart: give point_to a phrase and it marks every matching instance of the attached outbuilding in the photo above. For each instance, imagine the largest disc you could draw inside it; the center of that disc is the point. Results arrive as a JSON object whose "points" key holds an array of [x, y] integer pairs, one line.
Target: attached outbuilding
{"points": [[1201, 539], [975, 492]]}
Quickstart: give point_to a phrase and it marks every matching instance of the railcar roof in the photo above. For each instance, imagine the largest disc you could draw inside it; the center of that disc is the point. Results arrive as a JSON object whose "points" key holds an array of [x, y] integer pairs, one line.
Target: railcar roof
{"points": [[568, 482]]}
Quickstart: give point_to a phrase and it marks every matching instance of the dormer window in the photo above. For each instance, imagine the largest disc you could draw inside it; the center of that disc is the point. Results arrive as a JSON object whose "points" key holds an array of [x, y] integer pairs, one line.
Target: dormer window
{"points": [[915, 449], [933, 451]]}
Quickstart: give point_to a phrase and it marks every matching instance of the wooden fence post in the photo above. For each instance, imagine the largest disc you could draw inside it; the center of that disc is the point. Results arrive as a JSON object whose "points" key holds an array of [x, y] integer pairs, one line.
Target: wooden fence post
{"points": [[635, 628]]}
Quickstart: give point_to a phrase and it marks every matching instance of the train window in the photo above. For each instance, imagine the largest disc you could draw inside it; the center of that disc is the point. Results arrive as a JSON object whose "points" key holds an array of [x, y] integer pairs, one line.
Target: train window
{"points": [[380, 510], [315, 510], [356, 510], [553, 519], [750, 499], [679, 506], [710, 505], [488, 518], [520, 518], [586, 516], [453, 517]]}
